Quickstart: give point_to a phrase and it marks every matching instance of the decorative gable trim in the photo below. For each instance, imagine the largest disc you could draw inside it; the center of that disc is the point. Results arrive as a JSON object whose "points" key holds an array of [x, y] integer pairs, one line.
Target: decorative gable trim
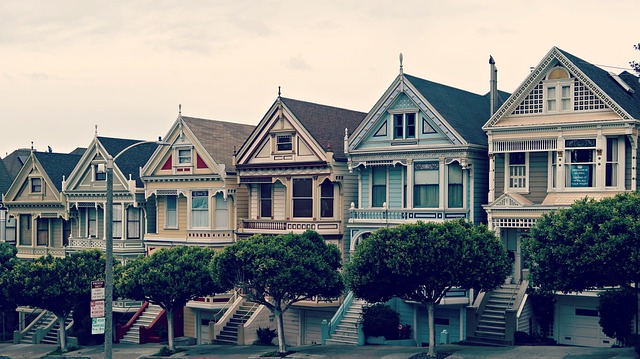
{"points": [[552, 58], [510, 200]]}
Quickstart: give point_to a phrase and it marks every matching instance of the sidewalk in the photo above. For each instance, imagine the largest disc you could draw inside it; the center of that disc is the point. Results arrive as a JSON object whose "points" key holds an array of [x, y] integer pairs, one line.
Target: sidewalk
{"points": [[212, 351]]}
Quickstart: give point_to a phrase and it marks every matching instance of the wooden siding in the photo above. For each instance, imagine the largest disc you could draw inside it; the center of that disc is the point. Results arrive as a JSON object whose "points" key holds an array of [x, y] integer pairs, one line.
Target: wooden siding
{"points": [[480, 184], [253, 199], [627, 168], [538, 174], [347, 194], [313, 325], [279, 201], [190, 322], [525, 316], [450, 314], [499, 174], [242, 205], [395, 187], [291, 323], [366, 188], [151, 215]]}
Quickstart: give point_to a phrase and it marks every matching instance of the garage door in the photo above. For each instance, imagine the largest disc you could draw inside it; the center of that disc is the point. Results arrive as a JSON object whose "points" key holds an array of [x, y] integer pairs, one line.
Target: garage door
{"points": [[313, 324], [578, 324]]}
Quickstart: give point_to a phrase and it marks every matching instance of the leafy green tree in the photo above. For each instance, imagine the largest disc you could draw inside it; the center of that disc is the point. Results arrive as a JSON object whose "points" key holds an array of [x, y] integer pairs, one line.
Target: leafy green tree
{"points": [[8, 260], [279, 271], [169, 278], [57, 284], [421, 261], [616, 309], [588, 245]]}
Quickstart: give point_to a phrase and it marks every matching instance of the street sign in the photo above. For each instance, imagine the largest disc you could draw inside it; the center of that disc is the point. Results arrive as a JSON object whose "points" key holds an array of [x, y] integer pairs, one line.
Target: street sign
{"points": [[97, 308], [97, 325], [97, 290]]}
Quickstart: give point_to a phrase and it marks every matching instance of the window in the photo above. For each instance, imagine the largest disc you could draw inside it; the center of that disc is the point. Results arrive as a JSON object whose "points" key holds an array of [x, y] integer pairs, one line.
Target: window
{"points": [[184, 156], [302, 198], [611, 175], [426, 189], [222, 212], [92, 223], [580, 163], [117, 221], [43, 231], [266, 200], [378, 186], [36, 185], [133, 222], [99, 173], [517, 167], [404, 125], [25, 229], [171, 212], [10, 230], [200, 209], [455, 195], [66, 232], [558, 91], [326, 199], [284, 142]]}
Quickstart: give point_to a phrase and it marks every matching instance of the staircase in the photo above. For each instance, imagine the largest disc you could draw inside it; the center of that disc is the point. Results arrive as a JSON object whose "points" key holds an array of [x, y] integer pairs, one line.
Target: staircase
{"points": [[229, 333], [149, 314], [346, 332], [491, 323], [48, 320]]}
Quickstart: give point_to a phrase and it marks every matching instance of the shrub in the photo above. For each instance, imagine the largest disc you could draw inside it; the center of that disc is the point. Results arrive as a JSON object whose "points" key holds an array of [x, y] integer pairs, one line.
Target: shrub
{"points": [[380, 320], [616, 309], [266, 335], [543, 305]]}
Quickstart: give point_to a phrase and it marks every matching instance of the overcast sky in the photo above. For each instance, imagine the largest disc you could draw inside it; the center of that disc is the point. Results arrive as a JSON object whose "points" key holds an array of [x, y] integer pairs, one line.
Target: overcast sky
{"points": [[69, 65]]}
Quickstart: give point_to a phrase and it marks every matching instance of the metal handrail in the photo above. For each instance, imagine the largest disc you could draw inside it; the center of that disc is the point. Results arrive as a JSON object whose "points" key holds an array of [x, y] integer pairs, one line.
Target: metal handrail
{"points": [[251, 310], [225, 307], [27, 317]]}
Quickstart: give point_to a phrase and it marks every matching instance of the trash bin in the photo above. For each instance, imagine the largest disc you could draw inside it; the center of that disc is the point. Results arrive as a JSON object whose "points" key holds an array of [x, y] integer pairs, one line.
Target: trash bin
{"points": [[444, 337]]}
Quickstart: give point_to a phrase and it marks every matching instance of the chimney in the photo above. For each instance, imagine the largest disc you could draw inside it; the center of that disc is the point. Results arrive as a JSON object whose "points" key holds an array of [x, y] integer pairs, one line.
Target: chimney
{"points": [[493, 86]]}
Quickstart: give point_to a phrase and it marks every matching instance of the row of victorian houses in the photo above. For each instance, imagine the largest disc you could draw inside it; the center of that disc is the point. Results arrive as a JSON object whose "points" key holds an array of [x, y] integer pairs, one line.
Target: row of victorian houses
{"points": [[425, 151]]}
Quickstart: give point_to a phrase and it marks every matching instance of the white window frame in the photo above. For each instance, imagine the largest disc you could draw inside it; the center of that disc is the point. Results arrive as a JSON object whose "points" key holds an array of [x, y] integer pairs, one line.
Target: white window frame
{"points": [[179, 157], [117, 218], [310, 197], [166, 212], [277, 143], [448, 180], [41, 185], [568, 163], [427, 167], [403, 116], [262, 199], [558, 99], [618, 162], [208, 210], [508, 177]]}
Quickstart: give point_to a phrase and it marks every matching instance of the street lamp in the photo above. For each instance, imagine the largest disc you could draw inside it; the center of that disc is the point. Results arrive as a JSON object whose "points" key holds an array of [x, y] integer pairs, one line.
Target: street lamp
{"points": [[108, 276]]}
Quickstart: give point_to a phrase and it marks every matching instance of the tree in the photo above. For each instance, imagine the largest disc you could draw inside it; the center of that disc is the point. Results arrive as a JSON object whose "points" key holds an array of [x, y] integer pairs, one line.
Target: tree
{"points": [[279, 271], [589, 245], [634, 65], [169, 278], [8, 260], [616, 309], [57, 284], [421, 261]]}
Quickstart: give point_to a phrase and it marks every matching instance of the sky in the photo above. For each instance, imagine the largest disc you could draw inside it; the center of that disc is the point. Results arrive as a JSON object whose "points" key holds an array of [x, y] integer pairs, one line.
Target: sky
{"points": [[67, 66]]}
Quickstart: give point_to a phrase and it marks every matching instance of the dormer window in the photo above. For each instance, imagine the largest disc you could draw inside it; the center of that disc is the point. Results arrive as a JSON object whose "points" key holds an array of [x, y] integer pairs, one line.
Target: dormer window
{"points": [[558, 91], [404, 125], [184, 156], [36, 185], [284, 142], [99, 172]]}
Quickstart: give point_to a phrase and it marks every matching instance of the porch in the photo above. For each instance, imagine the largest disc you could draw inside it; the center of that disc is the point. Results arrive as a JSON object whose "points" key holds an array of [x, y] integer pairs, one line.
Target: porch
{"points": [[399, 216], [271, 226]]}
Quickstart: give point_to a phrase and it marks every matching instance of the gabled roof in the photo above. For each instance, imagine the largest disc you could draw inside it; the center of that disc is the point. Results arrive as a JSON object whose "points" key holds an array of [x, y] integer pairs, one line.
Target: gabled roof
{"points": [[15, 160], [221, 139], [57, 165], [130, 161], [624, 103], [629, 101], [5, 179], [325, 123], [465, 111]]}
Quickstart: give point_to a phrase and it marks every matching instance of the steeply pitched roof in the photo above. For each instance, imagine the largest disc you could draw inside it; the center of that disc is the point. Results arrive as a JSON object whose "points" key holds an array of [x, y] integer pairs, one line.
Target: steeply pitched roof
{"points": [[15, 160], [130, 161], [465, 111], [629, 101], [221, 139], [57, 165], [326, 123], [5, 179]]}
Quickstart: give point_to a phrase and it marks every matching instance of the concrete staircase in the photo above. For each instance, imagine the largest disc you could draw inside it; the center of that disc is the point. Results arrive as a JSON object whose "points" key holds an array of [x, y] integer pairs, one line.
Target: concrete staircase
{"points": [[491, 323], [48, 320], [346, 332], [149, 315], [229, 333]]}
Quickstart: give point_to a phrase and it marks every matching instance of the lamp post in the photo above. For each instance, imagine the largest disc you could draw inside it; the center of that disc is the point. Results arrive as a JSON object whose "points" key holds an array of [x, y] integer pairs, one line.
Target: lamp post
{"points": [[108, 269]]}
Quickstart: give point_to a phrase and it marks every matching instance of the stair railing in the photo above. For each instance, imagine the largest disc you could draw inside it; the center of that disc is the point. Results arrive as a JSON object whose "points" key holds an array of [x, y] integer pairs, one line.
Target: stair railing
{"points": [[18, 335], [121, 330], [42, 331], [218, 325], [224, 308], [344, 307]]}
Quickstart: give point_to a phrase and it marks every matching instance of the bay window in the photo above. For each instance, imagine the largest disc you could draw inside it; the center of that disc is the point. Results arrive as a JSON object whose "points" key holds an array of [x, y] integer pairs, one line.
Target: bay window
{"points": [[580, 163], [303, 198], [426, 188], [200, 209]]}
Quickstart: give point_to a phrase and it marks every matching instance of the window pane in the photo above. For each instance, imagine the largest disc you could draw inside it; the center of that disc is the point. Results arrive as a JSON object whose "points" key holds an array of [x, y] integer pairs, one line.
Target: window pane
{"points": [[200, 209], [11, 229], [517, 158], [426, 189], [411, 125], [284, 142], [455, 186], [302, 208], [117, 221], [36, 185], [266, 201], [133, 223], [43, 232], [379, 188], [302, 187], [184, 156], [398, 126], [326, 200], [92, 223], [303, 197], [171, 213]]}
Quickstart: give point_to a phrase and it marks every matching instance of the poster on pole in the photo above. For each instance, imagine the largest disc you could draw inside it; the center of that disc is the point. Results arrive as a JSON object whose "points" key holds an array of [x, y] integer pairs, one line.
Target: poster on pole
{"points": [[97, 325]]}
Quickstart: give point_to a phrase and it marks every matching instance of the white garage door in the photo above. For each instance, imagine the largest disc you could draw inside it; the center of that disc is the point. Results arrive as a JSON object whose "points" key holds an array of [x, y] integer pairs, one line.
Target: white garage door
{"points": [[578, 324], [313, 324]]}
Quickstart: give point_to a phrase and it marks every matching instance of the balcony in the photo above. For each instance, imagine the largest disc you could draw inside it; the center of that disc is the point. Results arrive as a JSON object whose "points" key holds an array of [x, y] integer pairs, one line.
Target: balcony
{"points": [[399, 216], [119, 245], [271, 226], [36, 252], [205, 237]]}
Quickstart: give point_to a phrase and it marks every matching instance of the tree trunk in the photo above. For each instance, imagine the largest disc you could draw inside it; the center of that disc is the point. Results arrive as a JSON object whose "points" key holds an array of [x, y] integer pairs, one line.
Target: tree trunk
{"points": [[62, 332], [432, 330], [170, 328], [282, 347]]}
